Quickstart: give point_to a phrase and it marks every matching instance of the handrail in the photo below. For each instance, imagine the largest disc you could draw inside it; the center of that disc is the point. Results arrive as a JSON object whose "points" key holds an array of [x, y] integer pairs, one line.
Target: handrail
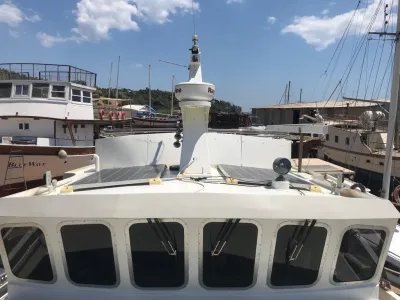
{"points": [[47, 72]]}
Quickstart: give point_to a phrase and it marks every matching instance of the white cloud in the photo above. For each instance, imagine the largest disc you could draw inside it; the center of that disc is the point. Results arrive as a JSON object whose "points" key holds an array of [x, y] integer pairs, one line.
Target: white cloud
{"points": [[13, 16], [96, 18], [49, 40], [271, 20], [10, 14], [13, 33], [332, 3], [138, 65], [320, 32], [33, 18], [325, 12], [233, 1]]}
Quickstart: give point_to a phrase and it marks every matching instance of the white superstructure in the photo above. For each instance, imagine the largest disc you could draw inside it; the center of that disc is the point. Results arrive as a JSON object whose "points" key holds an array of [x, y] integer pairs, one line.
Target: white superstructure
{"points": [[44, 108], [220, 217]]}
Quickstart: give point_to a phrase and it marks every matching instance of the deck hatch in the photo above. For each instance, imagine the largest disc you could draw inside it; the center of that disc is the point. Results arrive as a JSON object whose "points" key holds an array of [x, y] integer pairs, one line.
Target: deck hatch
{"points": [[120, 176], [252, 174]]}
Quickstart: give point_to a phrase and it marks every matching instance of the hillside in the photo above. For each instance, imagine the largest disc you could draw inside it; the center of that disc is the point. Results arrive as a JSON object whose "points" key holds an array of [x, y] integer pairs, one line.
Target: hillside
{"points": [[161, 100]]}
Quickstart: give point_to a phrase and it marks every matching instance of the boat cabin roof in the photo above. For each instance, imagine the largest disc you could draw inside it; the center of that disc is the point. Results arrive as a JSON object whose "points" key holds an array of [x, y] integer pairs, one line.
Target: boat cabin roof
{"points": [[46, 72]]}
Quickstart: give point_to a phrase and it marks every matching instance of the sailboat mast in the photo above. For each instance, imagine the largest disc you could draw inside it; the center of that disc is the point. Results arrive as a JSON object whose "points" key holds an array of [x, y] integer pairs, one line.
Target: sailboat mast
{"points": [[109, 82], [116, 92], [172, 95], [149, 89], [394, 99]]}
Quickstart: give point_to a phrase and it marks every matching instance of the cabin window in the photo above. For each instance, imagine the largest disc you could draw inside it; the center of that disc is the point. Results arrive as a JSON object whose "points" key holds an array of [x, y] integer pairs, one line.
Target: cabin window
{"points": [[27, 253], [157, 250], [64, 128], [86, 97], [327, 137], [347, 141], [23, 126], [83, 126], [89, 254], [76, 95], [359, 254], [76, 128], [336, 139], [58, 91], [21, 90], [5, 90], [229, 251], [298, 266], [40, 90]]}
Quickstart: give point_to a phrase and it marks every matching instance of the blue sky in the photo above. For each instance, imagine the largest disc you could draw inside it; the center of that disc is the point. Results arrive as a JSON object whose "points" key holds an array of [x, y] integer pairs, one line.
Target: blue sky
{"points": [[250, 48]]}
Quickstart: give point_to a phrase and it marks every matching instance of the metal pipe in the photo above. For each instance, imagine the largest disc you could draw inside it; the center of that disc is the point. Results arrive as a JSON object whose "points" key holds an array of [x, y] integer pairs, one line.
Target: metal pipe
{"points": [[301, 145], [96, 162]]}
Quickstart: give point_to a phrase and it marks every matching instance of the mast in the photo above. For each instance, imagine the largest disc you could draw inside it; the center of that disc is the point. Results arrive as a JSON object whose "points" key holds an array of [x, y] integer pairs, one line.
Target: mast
{"points": [[288, 93], [394, 98], [149, 90], [109, 81], [116, 88], [172, 95]]}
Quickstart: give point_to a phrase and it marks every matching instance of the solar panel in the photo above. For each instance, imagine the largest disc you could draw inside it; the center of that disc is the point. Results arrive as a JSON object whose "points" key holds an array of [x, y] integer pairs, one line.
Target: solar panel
{"points": [[255, 174], [120, 176]]}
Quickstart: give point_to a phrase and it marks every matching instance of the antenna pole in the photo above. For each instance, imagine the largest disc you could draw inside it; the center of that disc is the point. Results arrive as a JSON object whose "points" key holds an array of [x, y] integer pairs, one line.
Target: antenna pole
{"points": [[149, 89], [172, 95], [116, 92], [109, 82], [288, 93], [394, 99]]}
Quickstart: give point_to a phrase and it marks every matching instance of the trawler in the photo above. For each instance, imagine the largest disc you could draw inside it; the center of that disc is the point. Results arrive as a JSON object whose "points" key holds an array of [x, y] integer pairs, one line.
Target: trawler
{"points": [[46, 122], [192, 215]]}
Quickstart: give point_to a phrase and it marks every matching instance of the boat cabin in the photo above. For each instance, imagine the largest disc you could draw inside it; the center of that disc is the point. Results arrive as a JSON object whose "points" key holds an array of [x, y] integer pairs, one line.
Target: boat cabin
{"points": [[156, 243], [37, 99]]}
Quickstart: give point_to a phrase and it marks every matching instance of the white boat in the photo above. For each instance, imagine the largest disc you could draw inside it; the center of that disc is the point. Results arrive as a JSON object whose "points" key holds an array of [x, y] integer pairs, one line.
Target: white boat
{"points": [[166, 216], [46, 122]]}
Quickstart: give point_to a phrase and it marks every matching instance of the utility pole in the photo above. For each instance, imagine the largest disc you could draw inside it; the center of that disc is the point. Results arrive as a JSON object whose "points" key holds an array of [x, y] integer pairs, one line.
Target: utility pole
{"points": [[109, 81], [301, 92], [394, 99], [116, 92], [149, 89], [288, 93], [172, 95]]}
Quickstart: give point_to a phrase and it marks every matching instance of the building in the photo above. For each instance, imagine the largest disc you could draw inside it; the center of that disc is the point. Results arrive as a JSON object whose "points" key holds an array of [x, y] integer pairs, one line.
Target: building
{"points": [[291, 112]]}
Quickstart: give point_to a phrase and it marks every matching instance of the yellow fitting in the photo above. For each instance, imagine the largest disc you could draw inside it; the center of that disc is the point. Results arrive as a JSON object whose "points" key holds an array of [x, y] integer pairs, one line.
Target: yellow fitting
{"points": [[315, 189], [155, 181], [67, 189]]}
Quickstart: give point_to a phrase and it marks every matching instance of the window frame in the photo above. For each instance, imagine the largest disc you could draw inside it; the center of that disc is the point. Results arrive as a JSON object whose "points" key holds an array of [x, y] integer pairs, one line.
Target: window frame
{"points": [[11, 91], [256, 257], [64, 259], [185, 251], [83, 97], [72, 95], [323, 257], [14, 90], [380, 263], [6, 262], [48, 91], [51, 92], [24, 126]]}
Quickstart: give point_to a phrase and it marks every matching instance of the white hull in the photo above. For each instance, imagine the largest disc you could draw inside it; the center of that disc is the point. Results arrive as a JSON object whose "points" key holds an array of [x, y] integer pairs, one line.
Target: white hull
{"points": [[359, 160], [358, 149]]}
